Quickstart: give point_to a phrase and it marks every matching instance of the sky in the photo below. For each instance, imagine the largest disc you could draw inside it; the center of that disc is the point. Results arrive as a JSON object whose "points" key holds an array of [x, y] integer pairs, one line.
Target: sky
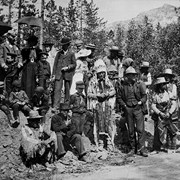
{"points": [[118, 10]]}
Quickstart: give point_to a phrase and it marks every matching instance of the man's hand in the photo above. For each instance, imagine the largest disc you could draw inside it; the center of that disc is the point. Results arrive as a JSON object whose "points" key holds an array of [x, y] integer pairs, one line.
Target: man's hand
{"points": [[68, 122], [4, 66], [19, 65], [140, 103], [163, 115], [35, 108], [64, 69]]}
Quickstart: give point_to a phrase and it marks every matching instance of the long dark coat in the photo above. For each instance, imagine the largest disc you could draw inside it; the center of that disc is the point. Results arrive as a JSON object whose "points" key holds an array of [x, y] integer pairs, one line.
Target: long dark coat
{"points": [[29, 72]]}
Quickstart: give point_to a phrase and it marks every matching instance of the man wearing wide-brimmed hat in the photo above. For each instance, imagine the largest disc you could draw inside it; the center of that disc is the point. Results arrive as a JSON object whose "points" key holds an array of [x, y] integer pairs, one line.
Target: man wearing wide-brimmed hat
{"points": [[132, 98], [66, 132], [37, 145], [114, 59], [63, 71], [165, 116]]}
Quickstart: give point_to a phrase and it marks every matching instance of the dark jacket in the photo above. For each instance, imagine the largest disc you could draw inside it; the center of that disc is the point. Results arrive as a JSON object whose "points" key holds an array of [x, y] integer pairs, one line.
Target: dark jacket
{"points": [[58, 125], [43, 69], [139, 91], [78, 103], [42, 103], [61, 61]]}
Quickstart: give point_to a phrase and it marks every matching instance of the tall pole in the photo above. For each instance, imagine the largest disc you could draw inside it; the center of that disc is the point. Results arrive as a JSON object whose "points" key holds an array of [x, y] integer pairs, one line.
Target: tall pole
{"points": [[42, 18], [81, 20], [10, 11], [19, 28]]}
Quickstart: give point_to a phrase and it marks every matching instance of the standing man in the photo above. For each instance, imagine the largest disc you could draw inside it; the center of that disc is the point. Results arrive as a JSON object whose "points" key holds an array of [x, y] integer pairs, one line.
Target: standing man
{"points": [[132, 98], [63, 71]]}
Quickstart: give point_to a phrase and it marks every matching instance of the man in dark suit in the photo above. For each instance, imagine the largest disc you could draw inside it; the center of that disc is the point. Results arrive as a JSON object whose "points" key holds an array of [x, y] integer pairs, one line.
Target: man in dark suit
{"points": [[63, 71], [64, 130], [131, 96]]}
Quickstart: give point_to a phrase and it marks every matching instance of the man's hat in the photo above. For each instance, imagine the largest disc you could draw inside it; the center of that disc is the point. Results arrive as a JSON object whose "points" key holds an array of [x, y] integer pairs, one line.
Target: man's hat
{"points": [[39, 90], [16, 83], [130, 70], [145, 64], [34, 115], [83, 53], [112, 68], [80, 84], [64, 106], [90, 46], [160, 80], [167, 72], [45, 53], [64, 41], [78, 42], [128, 62], [114, 48], [11, 54], [1, 84], [48, 42], [100, 66]]}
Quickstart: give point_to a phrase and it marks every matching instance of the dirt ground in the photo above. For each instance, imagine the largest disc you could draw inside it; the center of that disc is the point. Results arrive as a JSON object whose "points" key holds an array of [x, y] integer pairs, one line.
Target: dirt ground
{"points": [[116, 167], [155, 167]]}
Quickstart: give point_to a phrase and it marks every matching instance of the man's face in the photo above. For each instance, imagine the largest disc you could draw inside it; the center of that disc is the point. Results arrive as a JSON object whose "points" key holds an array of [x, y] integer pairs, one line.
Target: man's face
{"points": [[79, 90], [11, 39], [101, 75], [131, 77], [65, 47], [9, 59], [48, 48], [65, 112], [43, 57]]}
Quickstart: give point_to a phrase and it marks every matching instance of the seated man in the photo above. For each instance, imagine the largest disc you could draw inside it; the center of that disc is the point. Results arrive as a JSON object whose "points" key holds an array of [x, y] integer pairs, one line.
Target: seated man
{"points": [[40, 101], [60, 124], [37, 145], [19, 101]]}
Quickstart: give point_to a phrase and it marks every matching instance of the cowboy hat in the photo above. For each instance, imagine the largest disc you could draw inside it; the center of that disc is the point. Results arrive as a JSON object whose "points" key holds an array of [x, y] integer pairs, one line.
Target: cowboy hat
{"points": [[128, 62], [145, 64], [130, 70], [90, 46], [39, 90], [65, 41], [112, 69], [80, 84], [45, 53], [114, 48], [34, 115], [167, 72], [1, 84], [48, 42], [78, 42], [160, 80], [83, 53]]}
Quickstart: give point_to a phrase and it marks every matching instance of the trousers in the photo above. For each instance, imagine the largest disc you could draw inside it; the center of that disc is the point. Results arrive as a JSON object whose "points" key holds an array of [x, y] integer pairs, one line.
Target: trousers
{"points": [[75, 140], [135, 121]]}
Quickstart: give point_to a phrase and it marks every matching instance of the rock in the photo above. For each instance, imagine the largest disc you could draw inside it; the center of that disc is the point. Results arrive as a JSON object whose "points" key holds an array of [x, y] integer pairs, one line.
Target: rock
{"points": [[60, 167], [102, 155]]}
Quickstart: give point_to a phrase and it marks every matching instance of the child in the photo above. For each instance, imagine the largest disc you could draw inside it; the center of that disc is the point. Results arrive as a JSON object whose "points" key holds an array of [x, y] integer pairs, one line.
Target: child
{"points": [[44, 70], [19, 100]]}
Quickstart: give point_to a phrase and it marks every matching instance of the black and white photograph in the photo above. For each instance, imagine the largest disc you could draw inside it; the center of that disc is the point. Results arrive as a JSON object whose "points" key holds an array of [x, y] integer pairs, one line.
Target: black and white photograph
{"points": [[89, 89]]}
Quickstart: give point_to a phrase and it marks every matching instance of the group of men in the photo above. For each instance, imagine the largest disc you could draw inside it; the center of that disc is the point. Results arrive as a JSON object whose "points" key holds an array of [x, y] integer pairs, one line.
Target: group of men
{"points": [[110, 85]]}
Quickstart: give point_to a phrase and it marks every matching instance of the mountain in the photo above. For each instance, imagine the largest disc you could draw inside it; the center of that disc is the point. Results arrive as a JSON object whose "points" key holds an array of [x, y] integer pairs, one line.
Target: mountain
{"points": [[164, 15]]}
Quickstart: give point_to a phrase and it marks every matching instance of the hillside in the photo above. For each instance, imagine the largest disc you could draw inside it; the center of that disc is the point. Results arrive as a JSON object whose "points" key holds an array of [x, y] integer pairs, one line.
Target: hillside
{"points": [[164, 15]]}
